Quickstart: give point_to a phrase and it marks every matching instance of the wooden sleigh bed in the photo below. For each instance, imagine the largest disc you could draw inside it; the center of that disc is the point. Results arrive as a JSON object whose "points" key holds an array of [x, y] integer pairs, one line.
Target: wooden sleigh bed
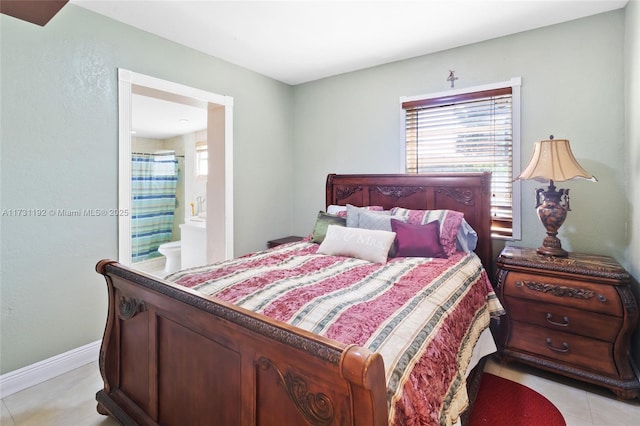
{"points": [[172, 355]]}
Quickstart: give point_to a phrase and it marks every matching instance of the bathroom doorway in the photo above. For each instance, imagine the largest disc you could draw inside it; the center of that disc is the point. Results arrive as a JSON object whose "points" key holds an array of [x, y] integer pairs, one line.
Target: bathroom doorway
{"points": [[169, 126]]}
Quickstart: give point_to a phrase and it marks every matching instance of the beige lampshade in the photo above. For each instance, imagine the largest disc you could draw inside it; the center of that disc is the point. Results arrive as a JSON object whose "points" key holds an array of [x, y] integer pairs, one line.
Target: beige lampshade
{"points": [[553, 160]]}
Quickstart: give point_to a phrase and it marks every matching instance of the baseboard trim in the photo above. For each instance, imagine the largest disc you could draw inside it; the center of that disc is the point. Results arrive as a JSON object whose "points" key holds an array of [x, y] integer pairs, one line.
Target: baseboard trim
{"points": [[17, 380]]}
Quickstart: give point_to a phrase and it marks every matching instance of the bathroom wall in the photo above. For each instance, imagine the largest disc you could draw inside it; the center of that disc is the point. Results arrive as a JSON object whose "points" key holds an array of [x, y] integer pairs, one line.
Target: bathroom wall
{"points": [[199, 183]]}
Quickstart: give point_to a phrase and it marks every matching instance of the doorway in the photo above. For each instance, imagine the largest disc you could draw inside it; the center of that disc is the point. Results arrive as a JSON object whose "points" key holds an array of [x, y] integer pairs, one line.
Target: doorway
{"points": [[218, 110]]}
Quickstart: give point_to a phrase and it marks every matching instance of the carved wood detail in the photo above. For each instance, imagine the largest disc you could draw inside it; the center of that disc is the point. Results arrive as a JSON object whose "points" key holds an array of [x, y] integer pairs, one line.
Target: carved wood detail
{"points": [[576, 263], [129, 307], [628, 300], [557, 290], [317, 408], [501, 275], [343, 192], [461, 195], [398, 192]]}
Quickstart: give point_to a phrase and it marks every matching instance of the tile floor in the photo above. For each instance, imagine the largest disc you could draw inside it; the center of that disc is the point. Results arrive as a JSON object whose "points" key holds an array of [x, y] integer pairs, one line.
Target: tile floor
{"points": [[580, 404], [68, 400], [154, 267]]}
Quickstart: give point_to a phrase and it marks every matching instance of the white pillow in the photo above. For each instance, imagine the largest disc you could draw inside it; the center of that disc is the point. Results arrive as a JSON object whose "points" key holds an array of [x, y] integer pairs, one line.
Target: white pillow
{"points": [[365, 244]]}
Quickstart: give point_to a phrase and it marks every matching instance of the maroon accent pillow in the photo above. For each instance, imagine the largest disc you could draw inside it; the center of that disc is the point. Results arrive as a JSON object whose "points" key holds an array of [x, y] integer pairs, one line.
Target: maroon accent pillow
{"points": [[450, 222], [418, 240]]}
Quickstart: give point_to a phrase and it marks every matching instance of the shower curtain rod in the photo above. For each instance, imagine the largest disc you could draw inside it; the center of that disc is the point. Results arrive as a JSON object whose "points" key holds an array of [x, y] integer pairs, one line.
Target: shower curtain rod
{"points": [[146, 153]]}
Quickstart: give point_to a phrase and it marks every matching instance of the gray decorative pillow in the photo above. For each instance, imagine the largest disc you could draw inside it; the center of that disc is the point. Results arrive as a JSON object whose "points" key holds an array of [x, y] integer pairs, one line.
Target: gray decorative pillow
{"points": [[380, 222], [322, 222], [467, 238], [353, 214], [377, 220]]}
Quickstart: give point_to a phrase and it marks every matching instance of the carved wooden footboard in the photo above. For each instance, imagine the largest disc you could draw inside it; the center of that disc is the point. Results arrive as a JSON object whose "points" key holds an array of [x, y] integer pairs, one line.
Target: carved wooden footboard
{"points": [[171, 356]]}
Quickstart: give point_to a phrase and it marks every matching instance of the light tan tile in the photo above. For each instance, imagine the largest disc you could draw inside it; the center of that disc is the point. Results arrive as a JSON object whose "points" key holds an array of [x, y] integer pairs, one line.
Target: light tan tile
{"points": [[5, 416], [516, 373], [68, 399], [574, 421], [606, 410], [571, 401]]}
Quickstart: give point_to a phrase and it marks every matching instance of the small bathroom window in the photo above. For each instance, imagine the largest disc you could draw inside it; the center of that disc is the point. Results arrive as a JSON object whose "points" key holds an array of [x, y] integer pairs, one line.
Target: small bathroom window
{"points": [[202, 160]]}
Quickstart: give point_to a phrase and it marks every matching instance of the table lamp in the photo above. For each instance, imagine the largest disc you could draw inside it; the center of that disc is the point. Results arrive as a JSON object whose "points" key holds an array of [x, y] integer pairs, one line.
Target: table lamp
{"points": [[552, 160]]}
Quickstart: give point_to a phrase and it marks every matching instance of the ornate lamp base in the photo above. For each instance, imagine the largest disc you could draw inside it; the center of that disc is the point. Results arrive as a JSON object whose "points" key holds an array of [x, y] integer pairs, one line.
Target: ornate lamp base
{"points": [[546, 250], [552, 212]]}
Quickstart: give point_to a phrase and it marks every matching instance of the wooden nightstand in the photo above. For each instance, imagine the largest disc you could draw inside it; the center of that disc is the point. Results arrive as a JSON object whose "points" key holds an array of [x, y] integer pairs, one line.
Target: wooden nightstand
{"points": [[573, 316], [284, 240]]}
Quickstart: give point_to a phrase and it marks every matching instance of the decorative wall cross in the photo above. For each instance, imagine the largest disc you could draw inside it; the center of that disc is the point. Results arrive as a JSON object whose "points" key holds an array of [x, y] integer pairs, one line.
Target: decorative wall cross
{"points": [[451, 77]]}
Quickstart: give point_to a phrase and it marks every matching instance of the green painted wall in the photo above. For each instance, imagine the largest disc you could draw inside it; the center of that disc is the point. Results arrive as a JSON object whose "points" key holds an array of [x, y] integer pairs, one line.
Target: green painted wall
{"points": [[572, 87], [632, 193], [577, 78], [59, 151]]}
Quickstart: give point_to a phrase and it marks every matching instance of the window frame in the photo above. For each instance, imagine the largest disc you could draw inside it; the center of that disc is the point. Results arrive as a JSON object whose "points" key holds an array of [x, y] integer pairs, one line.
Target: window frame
{"points": [[514, 83], [201, 148]]}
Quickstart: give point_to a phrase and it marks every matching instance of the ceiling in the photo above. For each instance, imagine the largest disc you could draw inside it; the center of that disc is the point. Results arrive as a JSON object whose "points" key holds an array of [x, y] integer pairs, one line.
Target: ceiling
{"points": [[300, 41], [156, 118]]}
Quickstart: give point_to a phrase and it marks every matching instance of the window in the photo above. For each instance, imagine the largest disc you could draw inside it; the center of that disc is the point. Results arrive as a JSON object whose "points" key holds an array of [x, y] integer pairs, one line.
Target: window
{"points": [[470, 130], [202, 160]]}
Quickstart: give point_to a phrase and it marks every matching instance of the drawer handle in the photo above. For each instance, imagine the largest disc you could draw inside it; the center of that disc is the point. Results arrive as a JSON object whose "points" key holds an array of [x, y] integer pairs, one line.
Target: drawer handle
{"points": [[564, 323], [602, 298], [564, 348]]}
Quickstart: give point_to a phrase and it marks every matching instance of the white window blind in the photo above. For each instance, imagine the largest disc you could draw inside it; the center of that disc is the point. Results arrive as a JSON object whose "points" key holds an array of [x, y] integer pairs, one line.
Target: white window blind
{"points": [[467, 132]]}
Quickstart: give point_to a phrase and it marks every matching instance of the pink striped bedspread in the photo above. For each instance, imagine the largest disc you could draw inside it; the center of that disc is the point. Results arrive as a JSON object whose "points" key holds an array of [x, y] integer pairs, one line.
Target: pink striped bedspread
{"points": [[424, 316]]}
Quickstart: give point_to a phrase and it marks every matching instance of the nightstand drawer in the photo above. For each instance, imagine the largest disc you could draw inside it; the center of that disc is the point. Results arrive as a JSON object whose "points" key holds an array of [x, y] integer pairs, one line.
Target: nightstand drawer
{"points": [[580, 351], [565, 319], [572, 293]]}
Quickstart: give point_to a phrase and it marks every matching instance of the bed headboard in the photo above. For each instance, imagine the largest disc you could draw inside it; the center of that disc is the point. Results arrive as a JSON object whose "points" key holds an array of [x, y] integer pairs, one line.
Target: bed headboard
{"points": [[468, 193]]}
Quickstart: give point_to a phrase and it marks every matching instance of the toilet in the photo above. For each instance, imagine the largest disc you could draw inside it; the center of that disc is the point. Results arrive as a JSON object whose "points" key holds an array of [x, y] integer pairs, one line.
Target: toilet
{"points": [[172, 252]]}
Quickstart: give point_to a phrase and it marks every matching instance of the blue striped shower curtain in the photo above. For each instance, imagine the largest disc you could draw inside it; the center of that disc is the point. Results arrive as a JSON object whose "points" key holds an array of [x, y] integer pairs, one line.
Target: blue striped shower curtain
{"points": [[154, 179]]}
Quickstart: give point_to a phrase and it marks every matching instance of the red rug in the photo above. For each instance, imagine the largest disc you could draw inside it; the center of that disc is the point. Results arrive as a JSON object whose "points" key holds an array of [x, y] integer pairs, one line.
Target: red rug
{"points": [[503, 402]]}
